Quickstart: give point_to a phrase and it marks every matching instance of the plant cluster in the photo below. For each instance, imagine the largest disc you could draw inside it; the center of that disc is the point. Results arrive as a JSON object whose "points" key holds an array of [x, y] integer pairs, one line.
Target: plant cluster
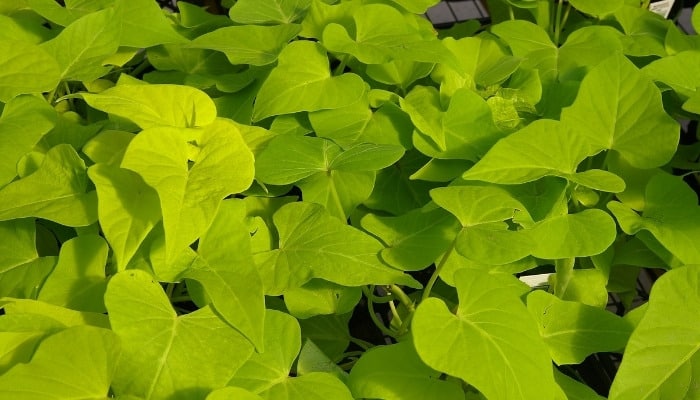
{"points": [[200, 206]]}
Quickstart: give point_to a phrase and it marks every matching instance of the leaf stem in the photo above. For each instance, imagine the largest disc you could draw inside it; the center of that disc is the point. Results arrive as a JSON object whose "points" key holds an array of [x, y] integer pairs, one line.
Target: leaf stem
{"points": [[438, 269], [365, 345], [395, 313], [376, 299], [557, 22], [402, 297], [511, 14], [370, 307], [341, 67]]}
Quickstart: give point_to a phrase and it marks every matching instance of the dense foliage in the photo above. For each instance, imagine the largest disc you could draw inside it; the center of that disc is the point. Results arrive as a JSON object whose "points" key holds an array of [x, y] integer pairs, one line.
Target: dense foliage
{"points": [[200, 206]]}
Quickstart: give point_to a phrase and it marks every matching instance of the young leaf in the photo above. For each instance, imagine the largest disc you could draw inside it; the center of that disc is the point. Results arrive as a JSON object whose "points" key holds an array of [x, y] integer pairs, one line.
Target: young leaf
{"points": [[318, 297], [25, 119], [128, 209], [264, 12], [76, 363], [383, 34], [22, 271], [586, 233], [573, 331], [56, 191], [679, 71], [248, 44], [476, 204], [671, 214], [408, 378], [230, 277], [282, 342], [183, 357], [662, 353], [144, 24], [415, 239], [78, 281], [293, 86], [190, 196], [618, 107], [543, 148], [26, 68], [491, 327], [314, 244], [155, 105], [532, 43], [82, 46], [232, 393]]}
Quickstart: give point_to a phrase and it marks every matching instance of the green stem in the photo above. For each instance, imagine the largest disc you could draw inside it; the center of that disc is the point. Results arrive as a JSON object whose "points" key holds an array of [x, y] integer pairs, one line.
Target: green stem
{"points": [[169, 290], [140, 68], [365, 345], [341, 67], [402, 297], [557, 22], [438, 269], [395, 313], [51, 95], [376, 299], [566, 15], [370, 307], [511, 14], [180, 299]]}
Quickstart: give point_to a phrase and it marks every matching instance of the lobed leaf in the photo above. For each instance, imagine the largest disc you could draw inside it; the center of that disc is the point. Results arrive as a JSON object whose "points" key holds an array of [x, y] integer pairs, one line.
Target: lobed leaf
{"points": [[26, 68], [268, 11]]}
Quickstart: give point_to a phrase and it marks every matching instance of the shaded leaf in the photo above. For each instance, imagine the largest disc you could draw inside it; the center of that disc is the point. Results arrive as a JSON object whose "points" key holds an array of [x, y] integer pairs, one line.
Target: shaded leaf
{"points": [[26, 68], [268, 11]]}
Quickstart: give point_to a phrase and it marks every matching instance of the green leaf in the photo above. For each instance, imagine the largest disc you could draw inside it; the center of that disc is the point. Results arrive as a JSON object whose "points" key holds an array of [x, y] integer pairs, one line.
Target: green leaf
{"points": [[407, 379], [22, 271], [268, 11], [399, 72], [82, 46], [476, 204], [573, 331], [232, 393], [586, 233], [312, 386], [144, 24], [128, 209], [77, 363], [26, 68], [491, 328], [678, 71], [190, 196], [78, 281], [318, 297], [662, 353], [596, 7], [416, 6], [617, 108], [24, 121], [155, 105], [314, 244], [531, 43], [585, 48], [330, 333], [415, 239], [671, 214], [231, 279], [282, 342], [453, 134], [181, 357], [290, 158], [293, 86], [543, 148], [575, 390], [56, 191], [695, 19], [383, 34], [248, 44]]}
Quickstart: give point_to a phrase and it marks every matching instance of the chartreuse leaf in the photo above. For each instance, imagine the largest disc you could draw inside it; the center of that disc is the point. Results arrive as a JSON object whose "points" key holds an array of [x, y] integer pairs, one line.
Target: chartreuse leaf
{"points": [[232, 393], [230, 278], [144, 24], [416, 7], [190, 196], [311, 386], [339, 180], [248, 44], [398, 72], [268, 11], [26, 68], [453, 134], [413, 240], [22, 271], [318, 297], [476, 204], [670, 214], [163, 355], [531, 43], [575, 390], [76, 363], [543, 148], [661, 356], [383, 34], [128, 209], [82, 46], [56, 191], [491, 327], [695, 19], [293, 86], [24, 120], [155, 105], [573, 331], [596, 7], [407, 379], [617, 107], [313, 244], [585, 48], [321, 13], [63, 316], [678, 71], [282, 342], [78, 281], [330, 333]]}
